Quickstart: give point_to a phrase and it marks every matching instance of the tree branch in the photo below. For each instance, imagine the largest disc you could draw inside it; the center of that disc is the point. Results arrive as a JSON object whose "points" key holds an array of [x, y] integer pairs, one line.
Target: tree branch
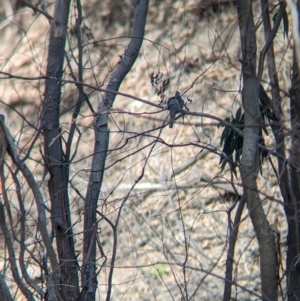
{"points": [[101, 145], [12, 256]]}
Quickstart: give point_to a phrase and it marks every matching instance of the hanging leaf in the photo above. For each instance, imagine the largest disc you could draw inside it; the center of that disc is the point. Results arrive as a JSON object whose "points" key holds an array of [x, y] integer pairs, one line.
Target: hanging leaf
{"points": [[275, 17], [221, 124], [238, 114], [285, 22], [226, 131], [233, 143]]}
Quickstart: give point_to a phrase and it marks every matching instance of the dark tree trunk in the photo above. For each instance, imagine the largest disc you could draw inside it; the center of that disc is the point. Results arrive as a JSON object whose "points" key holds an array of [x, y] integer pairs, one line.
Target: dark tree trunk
{"points": [[292, 208], [54, 156]]}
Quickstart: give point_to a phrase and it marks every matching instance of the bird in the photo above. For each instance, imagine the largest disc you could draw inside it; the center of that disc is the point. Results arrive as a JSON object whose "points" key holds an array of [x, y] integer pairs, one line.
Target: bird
{"points": [[175, 105]]}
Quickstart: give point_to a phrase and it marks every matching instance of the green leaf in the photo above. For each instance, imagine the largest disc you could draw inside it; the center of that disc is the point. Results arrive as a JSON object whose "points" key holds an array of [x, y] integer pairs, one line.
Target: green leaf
{"points": [[233, 143], [263, 96], [223, 164], [238, 114], [285, 23], [228, 147], [233, 169], [274, 17], [226, 132], [239, 142], [265, 102]]}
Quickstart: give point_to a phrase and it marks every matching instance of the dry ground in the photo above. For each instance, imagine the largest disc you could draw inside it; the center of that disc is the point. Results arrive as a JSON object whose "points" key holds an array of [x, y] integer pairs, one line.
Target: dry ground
{"points": [[179, 211]]}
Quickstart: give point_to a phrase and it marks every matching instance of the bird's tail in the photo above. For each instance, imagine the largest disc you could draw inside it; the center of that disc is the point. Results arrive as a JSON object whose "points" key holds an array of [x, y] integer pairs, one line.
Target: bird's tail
{"points": [[172, 116]]}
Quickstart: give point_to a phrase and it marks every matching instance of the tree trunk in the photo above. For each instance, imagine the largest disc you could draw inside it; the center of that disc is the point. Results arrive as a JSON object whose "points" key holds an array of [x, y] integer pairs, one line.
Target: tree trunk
{"points": [[54, 156], [88, 273], [293, 208], [250, 154]]}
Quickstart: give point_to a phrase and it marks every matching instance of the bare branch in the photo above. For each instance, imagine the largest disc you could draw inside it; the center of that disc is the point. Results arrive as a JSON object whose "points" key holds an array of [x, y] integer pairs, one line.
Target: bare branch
{"points": [[22, 240], [5, 294], [233, 233], [12, 256], [270, 37], [38, 198]]}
